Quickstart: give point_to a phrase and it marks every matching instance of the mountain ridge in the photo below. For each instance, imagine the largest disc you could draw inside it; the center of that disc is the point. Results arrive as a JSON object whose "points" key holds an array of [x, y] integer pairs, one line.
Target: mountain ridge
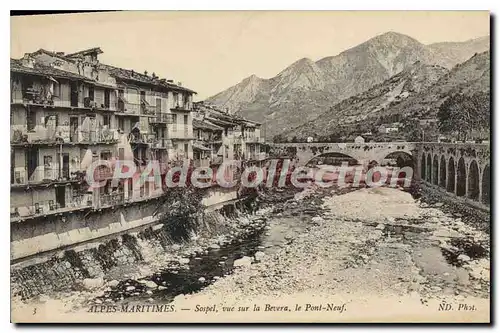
{"points": [[306, 88]]}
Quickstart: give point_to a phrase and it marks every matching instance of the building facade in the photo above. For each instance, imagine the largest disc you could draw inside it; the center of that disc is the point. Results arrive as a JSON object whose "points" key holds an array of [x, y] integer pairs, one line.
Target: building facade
{"points": [[68, 111]]}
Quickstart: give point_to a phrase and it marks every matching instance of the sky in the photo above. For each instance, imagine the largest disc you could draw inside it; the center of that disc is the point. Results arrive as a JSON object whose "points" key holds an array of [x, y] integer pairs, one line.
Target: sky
{"points": [[209, 51]]}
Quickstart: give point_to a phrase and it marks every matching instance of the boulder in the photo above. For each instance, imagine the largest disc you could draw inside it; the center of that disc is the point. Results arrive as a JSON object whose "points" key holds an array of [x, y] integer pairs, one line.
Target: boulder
{"points": [[463, 257], [90, 284], [161, 288], [317, 219], [149, 284], [176, 247], [243, 262], [380, 226], [184, 261], [130, 288], [214, 246], [201, 279], [259, 255], [112, 283]]}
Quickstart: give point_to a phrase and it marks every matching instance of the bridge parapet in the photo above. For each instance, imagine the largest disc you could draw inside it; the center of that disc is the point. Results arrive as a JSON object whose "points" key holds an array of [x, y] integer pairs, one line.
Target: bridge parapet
{"points": [[362, 152]]}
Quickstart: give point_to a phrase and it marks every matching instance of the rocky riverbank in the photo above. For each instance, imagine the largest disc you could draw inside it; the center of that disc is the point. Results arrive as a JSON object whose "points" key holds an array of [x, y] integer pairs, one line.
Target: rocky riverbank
{"points": [[379, 252], [361, 246]]}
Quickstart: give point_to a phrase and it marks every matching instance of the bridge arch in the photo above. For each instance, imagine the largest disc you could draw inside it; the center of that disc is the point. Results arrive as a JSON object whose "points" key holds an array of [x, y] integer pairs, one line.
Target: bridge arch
{"points": [[435, 170], [473, 181], [429, 168], [485, 186], [332, 158], [442, 172], [450, 185], [461, 177], [422, 168]]}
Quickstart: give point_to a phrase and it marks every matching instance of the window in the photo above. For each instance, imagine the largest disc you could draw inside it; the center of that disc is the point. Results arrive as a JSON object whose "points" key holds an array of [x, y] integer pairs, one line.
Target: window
{"points": [[30, 119], [57, 89], [107, 120], [186, 147], [174, 121], [185, 119], [121, 123], [91, 93], [176, 99], [106, 155]]}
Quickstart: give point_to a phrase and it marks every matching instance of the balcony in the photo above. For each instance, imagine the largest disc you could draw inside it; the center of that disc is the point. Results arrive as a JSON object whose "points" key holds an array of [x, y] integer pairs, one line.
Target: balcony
{"points": [[38, 96], [126, 108], [50, 207], [99, 135], [202, 163], [257, 156], [161, 143], [142, 138], [162, 118], [43, 175], [217, 160], [50, 135], [181, 132], [110, 200], [147, 109], [182, 107]]}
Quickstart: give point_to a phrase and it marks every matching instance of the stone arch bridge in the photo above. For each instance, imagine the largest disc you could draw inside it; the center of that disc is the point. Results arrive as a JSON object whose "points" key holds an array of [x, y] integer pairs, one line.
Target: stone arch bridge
{"points": [[362, 152], [458, 168]]}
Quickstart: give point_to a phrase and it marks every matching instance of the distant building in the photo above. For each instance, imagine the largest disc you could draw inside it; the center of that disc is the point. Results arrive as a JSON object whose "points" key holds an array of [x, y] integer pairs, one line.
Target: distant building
{"points": [[359, 139], [428, 121], [388, 128], [310, 139]]}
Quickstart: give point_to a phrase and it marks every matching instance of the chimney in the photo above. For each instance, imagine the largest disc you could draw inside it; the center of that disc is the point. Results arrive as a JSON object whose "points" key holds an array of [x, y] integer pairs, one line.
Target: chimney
{"points": [[146, 73], [170, 81], [179, 84]]}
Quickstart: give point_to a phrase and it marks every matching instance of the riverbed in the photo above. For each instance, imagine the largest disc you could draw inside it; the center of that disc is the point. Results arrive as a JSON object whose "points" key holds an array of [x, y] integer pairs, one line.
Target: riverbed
{"points": [[361, 248]]}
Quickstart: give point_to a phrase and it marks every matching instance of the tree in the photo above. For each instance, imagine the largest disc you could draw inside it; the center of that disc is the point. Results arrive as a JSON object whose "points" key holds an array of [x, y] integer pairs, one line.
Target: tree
{"points": [[179, 211], [279, 138], [461, 114]]}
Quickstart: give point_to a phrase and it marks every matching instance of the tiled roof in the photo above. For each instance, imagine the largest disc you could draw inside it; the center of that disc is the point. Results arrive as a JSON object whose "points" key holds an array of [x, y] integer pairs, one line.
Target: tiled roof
{"points": [[87, 51], [206, 125], [117, 72], [53, 54], [44, 70], [126, 74]]}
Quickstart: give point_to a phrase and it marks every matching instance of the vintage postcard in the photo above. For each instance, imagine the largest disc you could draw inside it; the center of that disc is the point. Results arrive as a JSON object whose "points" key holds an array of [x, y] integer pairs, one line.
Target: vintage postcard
{"points": [[250, 166]]}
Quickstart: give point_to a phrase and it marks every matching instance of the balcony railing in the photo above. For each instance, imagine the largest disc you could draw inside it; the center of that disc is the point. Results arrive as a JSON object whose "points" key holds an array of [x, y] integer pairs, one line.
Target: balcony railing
{"points": [[256, 156], [161, 143], [142, 138], [37, 96], [43, 175], [148, 109], [62, 134], [217, 160], [162, 118], [182, 107], [183, 132], [46, 207], [112, 199], [204, 162]]}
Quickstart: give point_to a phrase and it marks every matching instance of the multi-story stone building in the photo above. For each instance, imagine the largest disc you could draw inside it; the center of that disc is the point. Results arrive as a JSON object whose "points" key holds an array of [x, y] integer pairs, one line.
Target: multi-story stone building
{"points": [[227, 137], [68, 111]]}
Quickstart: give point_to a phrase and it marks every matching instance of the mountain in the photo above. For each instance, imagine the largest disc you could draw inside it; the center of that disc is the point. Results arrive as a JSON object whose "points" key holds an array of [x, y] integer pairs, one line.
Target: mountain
{"points": [[305, 89], [417, 92]]}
